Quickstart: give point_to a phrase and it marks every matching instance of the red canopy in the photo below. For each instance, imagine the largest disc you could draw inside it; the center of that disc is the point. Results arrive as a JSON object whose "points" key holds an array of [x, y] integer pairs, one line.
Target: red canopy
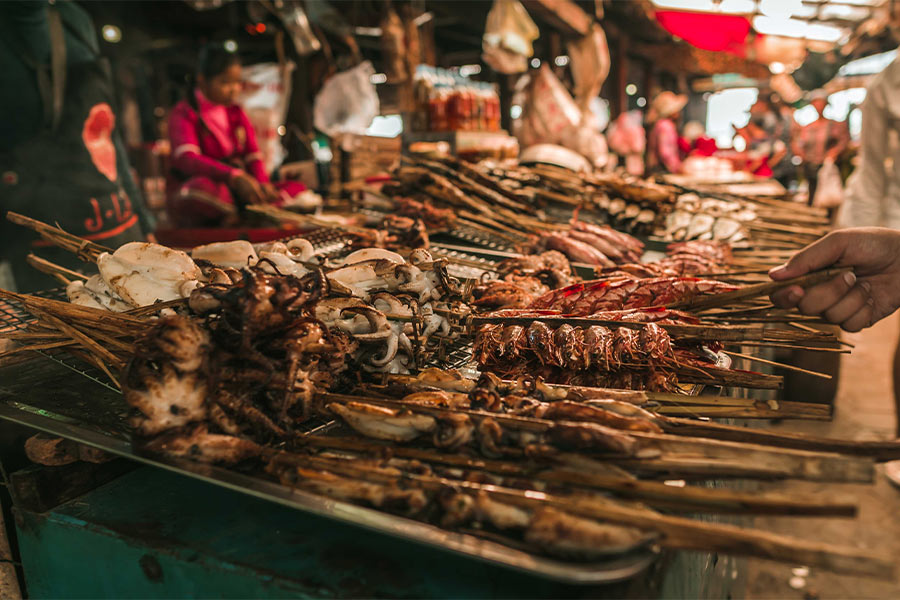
{"points": [[718, 33]]}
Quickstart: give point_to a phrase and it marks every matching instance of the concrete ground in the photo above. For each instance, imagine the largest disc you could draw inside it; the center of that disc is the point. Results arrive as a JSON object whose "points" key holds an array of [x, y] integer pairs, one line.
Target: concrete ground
{"points": [[863, 411]]}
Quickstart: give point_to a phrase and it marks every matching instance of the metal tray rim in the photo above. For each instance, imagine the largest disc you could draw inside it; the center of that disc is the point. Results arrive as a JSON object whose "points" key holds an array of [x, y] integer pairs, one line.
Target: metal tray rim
{"points": [[618, 569]]}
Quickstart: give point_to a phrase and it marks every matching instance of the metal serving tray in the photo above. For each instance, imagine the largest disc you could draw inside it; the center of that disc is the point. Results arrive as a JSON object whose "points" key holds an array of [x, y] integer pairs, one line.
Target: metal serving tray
{"points": [[63, 397], [49, 397]]}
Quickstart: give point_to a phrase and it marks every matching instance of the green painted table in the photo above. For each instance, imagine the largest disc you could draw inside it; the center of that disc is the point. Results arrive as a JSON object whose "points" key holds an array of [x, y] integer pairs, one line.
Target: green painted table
{"points": [[156, 534]]}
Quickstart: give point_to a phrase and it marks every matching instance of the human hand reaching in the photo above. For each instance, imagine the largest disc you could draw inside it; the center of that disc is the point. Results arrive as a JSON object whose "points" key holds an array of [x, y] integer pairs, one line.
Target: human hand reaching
{"points": [[247, 188], [852, 300], [271, 193]]}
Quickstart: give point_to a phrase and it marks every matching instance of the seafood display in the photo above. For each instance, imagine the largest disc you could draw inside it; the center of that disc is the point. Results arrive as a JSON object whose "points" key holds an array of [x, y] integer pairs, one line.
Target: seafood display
{"points": [[511, 200], [521, 280], [246, 361], [236, 353], [591, 244], [696, 218], [627, 291], [595, 356]]}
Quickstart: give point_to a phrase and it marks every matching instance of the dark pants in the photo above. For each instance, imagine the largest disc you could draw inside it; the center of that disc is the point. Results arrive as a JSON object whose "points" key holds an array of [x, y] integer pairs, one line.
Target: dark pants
{"points": [[811, 174]]}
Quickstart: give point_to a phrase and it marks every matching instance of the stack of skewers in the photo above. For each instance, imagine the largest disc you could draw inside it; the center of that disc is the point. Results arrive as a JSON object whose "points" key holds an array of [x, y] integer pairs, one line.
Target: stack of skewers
{"points": [[232, 371]]}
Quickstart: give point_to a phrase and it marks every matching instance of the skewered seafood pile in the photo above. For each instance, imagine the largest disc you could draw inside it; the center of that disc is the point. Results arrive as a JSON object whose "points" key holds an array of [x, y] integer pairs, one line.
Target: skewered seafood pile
{"points": [[741, 220], [696, 218], [520, 280], [519, 421], [394, 231], [682, 258], [435, 219], [591, 244], [140, 274], [629, 204], [400, 312], [624, 292], [511, 200], [245, 363], [538, 445], [419, 295], [595, 356], [232, 381], [409, 306]]}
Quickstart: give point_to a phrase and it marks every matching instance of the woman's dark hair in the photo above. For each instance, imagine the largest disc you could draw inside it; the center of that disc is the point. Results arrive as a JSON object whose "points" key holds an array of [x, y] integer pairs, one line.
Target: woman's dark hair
{"points": [[214, 59]]}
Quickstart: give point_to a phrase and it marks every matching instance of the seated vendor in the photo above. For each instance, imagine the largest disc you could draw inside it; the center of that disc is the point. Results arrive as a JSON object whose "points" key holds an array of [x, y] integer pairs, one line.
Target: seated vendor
{"points": [[217, 167]]}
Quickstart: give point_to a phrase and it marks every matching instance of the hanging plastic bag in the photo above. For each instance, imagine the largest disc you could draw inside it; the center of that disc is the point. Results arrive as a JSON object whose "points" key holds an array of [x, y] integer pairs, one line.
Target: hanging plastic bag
{"points": [[508, 36], [347, 103], [267, 88], [830, 188], [589, 63], [550, 116]]}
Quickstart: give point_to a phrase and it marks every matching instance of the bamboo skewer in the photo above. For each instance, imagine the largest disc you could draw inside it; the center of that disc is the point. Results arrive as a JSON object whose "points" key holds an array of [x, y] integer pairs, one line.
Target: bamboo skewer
{"points": [[658, 402], [789, 346], [762, 289], [880, 451], [677, 532], [708, 332], [655, 493], [61, 273], [778, 364], [791, 463], [798, 411], [85, 250]]}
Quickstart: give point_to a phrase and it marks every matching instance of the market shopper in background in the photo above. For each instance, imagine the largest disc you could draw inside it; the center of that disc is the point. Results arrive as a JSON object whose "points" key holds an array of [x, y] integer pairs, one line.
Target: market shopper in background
{"points": [[765, 148], [61, 154], [819, 142], [784, 171], [217, 166], [663, 153], [694, 141]]}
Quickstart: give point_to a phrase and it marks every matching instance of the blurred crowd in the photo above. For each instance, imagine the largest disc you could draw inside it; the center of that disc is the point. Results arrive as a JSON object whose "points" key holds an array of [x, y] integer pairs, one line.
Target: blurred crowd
{"points": [[772, 143]]}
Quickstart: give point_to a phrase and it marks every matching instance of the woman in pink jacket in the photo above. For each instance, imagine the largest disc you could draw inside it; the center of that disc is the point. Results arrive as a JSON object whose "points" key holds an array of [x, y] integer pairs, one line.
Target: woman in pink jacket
{"points": [[217, 167]]}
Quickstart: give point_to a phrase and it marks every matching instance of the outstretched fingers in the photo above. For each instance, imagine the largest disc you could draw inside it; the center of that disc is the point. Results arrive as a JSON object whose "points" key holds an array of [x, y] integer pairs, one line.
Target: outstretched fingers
{"points": [[818, 255]]}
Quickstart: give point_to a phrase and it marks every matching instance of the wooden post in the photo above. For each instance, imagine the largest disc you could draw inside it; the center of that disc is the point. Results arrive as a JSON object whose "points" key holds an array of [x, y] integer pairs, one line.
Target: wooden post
{"points": [[506, 84], [621, 72]]}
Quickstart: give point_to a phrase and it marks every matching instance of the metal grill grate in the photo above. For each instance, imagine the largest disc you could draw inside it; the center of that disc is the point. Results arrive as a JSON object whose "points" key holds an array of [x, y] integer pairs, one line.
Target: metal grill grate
{"points": [[481, 238], [328, 242], [14, 317]]}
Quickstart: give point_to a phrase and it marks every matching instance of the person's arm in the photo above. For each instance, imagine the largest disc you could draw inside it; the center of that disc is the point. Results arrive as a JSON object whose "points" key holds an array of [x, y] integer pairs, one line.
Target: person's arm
{"points": [[253, 157], [856, 299], [867, 188], [187, 156], [667, 147]]}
